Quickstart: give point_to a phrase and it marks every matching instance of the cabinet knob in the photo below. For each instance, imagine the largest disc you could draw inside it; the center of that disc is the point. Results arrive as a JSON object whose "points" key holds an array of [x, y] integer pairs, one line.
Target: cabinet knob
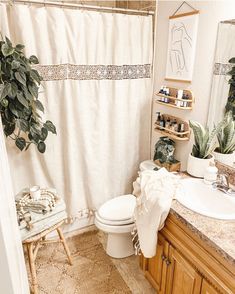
{"points": [[168, 262], [163, 257]]}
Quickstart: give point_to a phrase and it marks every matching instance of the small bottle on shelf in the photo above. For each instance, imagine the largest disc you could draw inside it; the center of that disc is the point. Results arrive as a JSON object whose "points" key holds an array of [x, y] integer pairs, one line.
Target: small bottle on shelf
{"points": [[182, 129], [162, 122], [186, 103], [167, 124], [161, 90], [172, 126], [166, 99], [158, 118], [179, 96], [175, 126]]}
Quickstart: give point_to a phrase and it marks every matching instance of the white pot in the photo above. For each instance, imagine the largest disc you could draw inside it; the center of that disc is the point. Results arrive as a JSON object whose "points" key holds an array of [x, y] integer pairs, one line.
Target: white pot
{"points": [[197, 166], [227, 159]]}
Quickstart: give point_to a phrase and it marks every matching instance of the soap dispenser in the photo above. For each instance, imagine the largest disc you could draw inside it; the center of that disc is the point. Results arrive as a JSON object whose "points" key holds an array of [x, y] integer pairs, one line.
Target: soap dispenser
{"points": [[210, 175]]}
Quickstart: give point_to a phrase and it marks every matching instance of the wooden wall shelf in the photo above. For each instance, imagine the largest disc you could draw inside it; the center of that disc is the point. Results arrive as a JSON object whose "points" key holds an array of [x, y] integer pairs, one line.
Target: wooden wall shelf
{"points": [[179, 136], [173, 99]]}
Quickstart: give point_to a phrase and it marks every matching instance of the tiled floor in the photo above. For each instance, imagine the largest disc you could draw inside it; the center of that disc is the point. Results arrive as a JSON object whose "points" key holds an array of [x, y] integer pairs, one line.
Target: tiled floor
{"points": [[92, 270]]}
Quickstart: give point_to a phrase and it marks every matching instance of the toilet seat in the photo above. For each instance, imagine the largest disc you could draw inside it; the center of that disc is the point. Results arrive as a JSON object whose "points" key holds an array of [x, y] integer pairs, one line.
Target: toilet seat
{"points": [[117, 211], [112, 222]]}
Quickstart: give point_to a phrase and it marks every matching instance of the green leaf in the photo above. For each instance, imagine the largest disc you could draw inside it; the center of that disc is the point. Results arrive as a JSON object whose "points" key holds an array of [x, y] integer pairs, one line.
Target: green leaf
{"points": [[6, 50], [232, 60], [39, 105], [33, 59], [33, 89], [20, 76], [27, 94], [35, 137], [35, 133], [44, 134], [9, 116], [50, 126], [5, 91], [22, 69], [16, 55], [8, 42], [19, 47], [35, 76], [41, 147], [14, 110], [20, 143], [13, 90], [4, 102], [15, 64], [23, 125], [9, 129], [22, 99]]}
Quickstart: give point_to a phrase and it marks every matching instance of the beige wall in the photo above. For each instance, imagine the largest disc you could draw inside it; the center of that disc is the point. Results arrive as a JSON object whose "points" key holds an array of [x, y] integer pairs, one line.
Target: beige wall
{"points": [[211, 12]]}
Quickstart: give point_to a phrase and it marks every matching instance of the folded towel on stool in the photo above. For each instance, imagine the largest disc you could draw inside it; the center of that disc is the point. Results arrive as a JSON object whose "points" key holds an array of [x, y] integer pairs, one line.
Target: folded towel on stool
{"points": [[38, 215], [45, 203]]}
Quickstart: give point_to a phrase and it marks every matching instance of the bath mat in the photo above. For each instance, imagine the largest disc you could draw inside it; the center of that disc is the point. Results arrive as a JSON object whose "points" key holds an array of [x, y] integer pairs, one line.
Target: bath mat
{"points": [[92, 271]]}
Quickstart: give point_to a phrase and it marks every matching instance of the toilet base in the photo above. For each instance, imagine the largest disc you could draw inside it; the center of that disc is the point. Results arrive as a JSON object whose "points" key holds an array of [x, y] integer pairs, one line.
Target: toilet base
{"points": [[119, 245]]}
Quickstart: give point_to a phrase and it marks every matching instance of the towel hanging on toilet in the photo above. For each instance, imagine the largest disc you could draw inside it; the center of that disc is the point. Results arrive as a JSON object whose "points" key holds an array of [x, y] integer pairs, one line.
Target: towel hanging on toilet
{"points": [[154, 191]]}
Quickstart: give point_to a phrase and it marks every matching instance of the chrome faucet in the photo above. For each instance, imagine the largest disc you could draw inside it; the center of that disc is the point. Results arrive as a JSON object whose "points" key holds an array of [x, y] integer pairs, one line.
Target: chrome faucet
{"points": [[222, 184]]}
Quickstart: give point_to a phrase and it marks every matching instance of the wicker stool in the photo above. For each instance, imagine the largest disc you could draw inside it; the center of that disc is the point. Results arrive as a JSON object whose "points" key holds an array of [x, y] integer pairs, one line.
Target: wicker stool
{"points": [[32, 244]]}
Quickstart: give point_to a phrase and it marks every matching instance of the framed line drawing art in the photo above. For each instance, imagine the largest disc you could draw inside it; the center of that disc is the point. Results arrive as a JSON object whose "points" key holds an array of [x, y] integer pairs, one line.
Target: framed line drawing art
{"points": [[182, 40]]}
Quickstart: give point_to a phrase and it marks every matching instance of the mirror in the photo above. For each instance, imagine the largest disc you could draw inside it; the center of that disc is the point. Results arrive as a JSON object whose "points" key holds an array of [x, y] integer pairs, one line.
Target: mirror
{"points": [[223, 81]]}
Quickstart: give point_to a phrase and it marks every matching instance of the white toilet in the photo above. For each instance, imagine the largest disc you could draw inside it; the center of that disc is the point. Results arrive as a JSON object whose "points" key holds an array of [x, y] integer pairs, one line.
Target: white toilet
{"points": [[115, 217]]}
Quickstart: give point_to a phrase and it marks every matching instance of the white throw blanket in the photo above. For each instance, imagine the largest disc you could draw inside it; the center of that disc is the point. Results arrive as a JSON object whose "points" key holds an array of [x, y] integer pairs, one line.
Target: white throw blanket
{"points": [[154, 191]]}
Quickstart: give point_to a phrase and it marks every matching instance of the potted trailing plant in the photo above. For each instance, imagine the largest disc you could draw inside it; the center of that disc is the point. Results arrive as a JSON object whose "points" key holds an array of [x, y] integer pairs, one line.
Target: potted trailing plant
{"points": [[230, 105], [225, 152], [20, 108], [204, 145]]}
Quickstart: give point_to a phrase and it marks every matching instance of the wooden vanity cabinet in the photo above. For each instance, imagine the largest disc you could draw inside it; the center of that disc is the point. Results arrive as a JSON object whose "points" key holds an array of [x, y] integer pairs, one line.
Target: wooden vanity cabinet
{"points": [[155, 268], [185, 265], [207, 288], [182, 277]]}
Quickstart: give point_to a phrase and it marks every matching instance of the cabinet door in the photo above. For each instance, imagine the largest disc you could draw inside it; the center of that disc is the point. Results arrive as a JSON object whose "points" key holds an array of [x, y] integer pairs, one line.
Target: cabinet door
{"points": [[207, 288], [155, 267], [182, 278]]}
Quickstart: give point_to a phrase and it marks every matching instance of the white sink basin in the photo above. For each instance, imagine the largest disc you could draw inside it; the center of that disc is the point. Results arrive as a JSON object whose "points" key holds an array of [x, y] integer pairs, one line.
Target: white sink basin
{"points": [[201, 198]]}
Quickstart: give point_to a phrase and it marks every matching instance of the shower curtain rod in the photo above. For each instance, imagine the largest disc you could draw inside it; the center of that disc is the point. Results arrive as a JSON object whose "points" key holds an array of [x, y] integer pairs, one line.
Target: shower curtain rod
{"points": [[78, 6]]}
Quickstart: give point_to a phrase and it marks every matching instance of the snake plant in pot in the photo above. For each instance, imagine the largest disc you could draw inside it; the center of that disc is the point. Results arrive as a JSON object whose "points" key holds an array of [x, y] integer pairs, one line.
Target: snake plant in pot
{"points": [[225, 152], [204, 145], [20, 108]]}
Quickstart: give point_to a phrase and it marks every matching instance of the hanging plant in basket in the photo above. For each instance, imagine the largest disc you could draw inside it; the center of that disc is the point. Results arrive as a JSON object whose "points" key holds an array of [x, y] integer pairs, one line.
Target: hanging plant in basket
{"points": [[20, 107]]}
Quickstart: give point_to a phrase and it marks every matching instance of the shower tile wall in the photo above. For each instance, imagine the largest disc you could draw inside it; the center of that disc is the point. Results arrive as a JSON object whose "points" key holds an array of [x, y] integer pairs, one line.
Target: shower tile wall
{"points": [[121, 4]]}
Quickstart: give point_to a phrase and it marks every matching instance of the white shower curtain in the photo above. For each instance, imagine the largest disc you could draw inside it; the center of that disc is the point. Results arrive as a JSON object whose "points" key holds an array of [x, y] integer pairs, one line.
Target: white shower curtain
{"points": [[225, 50], [97, 90]]}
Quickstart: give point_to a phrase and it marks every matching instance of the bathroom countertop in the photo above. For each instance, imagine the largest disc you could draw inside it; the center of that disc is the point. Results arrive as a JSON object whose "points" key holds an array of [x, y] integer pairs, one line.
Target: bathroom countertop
{"points": [[218, 234]]}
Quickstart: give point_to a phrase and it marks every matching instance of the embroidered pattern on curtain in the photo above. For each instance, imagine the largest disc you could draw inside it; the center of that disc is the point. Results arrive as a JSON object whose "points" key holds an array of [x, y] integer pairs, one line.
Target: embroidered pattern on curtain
{"points": [[93, 72], [222, 68]]}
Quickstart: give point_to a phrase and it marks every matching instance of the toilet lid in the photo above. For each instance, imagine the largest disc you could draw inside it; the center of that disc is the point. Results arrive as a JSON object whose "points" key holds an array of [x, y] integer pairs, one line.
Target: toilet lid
{"points": [[118, 209]]}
